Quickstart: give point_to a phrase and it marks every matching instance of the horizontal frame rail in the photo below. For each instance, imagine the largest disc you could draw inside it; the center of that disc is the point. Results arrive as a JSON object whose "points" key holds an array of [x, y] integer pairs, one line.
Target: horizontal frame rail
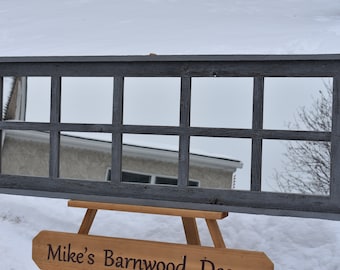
{"points": [[172, 130], [280, 204], [174, 66]]}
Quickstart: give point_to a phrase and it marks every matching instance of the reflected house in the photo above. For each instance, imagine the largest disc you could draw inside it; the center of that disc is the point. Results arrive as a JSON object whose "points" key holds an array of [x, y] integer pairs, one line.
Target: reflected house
{"points": [[27, 153]]}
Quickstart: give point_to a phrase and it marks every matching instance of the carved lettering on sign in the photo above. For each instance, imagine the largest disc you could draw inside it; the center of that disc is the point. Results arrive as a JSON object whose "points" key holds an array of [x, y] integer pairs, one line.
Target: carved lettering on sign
{"points": [[57, 250], [140, 264], [66, 254]]}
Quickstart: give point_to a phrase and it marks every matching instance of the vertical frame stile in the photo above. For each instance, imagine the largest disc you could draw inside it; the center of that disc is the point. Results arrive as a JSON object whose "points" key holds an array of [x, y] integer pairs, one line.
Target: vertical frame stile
{"points": [[1, 117], [117, 136], [335, 144], [184, 138], [257, 126], [54, 127]]}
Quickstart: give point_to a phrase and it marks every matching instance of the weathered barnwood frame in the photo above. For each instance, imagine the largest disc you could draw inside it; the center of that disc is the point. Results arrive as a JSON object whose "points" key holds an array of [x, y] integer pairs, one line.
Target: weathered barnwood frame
{"points": [[185, 67]]}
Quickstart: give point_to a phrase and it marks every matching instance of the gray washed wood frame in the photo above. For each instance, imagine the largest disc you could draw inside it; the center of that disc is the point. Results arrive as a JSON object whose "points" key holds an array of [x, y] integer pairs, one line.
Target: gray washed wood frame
{"points": [[184, 67]]}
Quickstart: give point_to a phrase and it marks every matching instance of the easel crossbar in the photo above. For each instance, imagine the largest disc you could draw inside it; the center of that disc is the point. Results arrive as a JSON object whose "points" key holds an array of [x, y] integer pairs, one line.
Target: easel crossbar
{"points": [[149, 209], [188, 218]]}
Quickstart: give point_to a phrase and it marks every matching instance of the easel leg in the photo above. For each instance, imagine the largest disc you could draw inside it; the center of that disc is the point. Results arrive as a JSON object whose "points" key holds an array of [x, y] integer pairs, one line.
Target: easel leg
{"points": [[191, 231], [215, 233], [87, 221]]}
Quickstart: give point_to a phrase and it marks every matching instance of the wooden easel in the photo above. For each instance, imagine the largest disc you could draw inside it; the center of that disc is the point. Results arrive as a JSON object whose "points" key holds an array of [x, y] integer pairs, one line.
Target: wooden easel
{"points": [[188, 218], [61, 250]]}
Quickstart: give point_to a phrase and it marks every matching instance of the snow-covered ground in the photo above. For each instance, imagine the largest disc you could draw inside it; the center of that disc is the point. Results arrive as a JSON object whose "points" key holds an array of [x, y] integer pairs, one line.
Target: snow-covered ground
{"points": [[291, 243], [89, 27]]}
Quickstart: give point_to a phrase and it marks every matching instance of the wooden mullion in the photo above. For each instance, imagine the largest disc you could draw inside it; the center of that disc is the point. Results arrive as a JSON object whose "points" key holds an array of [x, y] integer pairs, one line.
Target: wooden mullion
{"points": [[1, 116], [184, 139], [1, 96], [117, 136], [175, 130], [54, 132], [335, 145], [256, 152]]}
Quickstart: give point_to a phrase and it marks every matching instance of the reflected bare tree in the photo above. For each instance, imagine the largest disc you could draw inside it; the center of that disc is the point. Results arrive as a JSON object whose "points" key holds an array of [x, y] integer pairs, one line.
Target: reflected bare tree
{"points": [[306, 166]]}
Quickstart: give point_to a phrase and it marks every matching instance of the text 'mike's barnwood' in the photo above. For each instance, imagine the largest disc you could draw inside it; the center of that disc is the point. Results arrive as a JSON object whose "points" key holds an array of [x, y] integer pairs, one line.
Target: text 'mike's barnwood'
{"points": [[58, 250]]}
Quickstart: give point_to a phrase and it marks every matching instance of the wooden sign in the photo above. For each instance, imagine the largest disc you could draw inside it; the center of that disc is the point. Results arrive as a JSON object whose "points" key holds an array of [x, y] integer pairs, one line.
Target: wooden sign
{"points": [[68, 251]]}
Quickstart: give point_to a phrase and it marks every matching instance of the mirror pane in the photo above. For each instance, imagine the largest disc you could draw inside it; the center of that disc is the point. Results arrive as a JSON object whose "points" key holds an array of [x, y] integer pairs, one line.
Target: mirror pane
{"points": [[298, 103], [152, 101], [222, 163], [222, 102]]}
